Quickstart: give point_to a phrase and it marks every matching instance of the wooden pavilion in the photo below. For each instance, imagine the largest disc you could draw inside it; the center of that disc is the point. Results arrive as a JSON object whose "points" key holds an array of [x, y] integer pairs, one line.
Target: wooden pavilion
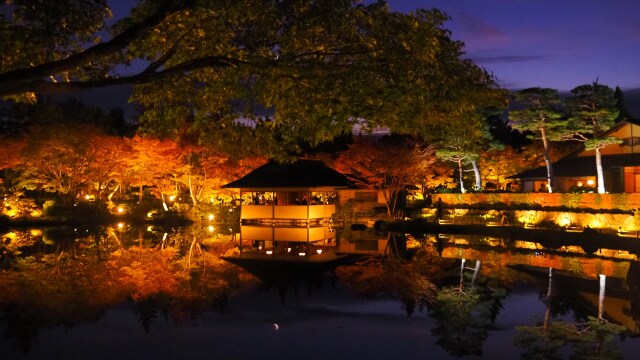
{"points": [[287, 209]]}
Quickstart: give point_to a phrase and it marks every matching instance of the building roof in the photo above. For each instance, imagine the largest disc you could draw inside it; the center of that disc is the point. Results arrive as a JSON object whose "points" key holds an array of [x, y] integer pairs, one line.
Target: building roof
{"points": [[302, 174], [573, 165], [580, 166]]}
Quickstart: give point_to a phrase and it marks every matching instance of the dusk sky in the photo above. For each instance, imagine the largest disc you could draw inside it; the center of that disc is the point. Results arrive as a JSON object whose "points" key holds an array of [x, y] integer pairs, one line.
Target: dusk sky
{"points": [[547, 43]]}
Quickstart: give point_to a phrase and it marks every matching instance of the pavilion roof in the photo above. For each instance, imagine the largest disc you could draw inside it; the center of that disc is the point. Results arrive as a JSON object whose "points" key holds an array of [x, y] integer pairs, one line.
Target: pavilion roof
{"points": [[297, 175]]}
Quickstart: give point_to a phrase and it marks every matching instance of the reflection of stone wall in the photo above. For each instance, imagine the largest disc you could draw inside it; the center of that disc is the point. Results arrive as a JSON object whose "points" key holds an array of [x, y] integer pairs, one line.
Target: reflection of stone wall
{"points": [[566, 219], [577, 201]]}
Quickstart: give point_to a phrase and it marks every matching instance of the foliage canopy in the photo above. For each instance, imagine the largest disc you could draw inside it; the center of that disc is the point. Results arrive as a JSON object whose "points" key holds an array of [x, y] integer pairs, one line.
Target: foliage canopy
{"points": [[293, 71]]}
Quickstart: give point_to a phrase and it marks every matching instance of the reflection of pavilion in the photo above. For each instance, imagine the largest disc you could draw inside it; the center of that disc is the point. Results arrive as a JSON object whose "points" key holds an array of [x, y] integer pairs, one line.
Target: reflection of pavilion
{"points": [[287, 210]]}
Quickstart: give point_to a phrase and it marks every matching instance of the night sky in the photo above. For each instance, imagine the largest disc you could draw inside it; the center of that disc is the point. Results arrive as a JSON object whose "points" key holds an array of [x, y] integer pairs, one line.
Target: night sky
{"points": [[547, 43]]}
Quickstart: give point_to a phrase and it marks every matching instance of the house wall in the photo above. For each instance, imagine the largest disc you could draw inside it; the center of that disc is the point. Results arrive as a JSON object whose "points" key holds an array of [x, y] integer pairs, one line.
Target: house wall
{"points": [[630, 134]]}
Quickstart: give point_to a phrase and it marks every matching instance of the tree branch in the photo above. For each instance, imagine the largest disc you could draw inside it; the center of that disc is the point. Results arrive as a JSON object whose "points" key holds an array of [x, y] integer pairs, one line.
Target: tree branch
{"points": [[33, 75], [44, 86]]}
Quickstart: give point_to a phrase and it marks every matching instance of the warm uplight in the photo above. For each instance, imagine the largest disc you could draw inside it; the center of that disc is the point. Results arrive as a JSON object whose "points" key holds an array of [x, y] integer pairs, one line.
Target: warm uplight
{"points": [[12, 212], [211, 229], [590, 182], [580, 184], [210, 217], [120, 225], [35, 232], [87, 197], [172, 197], [319, 251], [564, 220], [120, 209], [150, 214], [595, 223]]}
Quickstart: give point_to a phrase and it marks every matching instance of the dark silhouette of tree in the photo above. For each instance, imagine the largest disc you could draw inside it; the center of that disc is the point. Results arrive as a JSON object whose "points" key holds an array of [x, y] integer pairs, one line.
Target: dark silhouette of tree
{"points": [[623, 113]]}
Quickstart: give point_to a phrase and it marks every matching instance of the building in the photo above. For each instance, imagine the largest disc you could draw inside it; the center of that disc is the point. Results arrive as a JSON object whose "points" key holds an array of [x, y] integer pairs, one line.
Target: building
{"points": [[287, 209], [577, 171]]}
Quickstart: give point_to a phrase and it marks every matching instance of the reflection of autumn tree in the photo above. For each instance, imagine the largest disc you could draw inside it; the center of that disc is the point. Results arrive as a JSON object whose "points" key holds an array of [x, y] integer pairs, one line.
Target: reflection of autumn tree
{"points": [[465, 314], [390, 276], [72, 284]]}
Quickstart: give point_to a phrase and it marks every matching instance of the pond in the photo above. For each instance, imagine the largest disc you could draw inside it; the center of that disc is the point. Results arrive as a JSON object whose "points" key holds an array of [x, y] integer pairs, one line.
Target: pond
{"points": [[138, 293]]}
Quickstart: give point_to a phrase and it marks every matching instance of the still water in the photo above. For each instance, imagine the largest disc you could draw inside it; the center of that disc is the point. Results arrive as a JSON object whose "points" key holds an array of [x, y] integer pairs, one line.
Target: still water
{"points": [[151, 293]]}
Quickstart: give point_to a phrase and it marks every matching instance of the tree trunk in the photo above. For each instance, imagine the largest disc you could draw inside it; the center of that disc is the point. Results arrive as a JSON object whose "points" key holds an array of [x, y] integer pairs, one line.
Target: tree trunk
{"points": [[603, 279], [476, 271], [461, 288], [547, 300], [113, 192], [600, 175], [164, 203], [462, 190], [387, 202], [193, 197], [476, 172], [547, 159]]}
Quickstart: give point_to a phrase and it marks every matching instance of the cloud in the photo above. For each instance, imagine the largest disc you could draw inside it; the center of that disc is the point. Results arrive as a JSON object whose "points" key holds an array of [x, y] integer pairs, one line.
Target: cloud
{"points": [[502, 59], [481, 31]]}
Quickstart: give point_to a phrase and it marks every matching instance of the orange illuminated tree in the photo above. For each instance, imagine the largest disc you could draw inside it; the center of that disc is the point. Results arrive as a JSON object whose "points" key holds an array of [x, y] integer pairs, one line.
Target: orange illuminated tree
{"points": [[389, 165], [153, 163]]}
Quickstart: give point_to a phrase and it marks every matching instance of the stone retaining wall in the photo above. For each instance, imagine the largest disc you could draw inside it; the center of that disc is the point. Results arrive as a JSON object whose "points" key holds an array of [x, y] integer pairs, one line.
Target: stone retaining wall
{"points": [[625, 202]]}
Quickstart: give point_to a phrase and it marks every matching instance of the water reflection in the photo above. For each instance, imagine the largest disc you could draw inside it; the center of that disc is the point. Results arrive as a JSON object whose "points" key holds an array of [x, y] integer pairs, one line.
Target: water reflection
{"points": [[461, 287]]}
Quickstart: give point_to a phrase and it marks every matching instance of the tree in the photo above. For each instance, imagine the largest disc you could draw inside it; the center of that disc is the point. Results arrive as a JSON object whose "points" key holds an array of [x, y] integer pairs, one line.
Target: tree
{"points": [[153, 163], [388, 165], [623, 113], [592, 110], [309, 69], [107, 162], [461, 133], [60, 155], [458, 142], [541, 114]]}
